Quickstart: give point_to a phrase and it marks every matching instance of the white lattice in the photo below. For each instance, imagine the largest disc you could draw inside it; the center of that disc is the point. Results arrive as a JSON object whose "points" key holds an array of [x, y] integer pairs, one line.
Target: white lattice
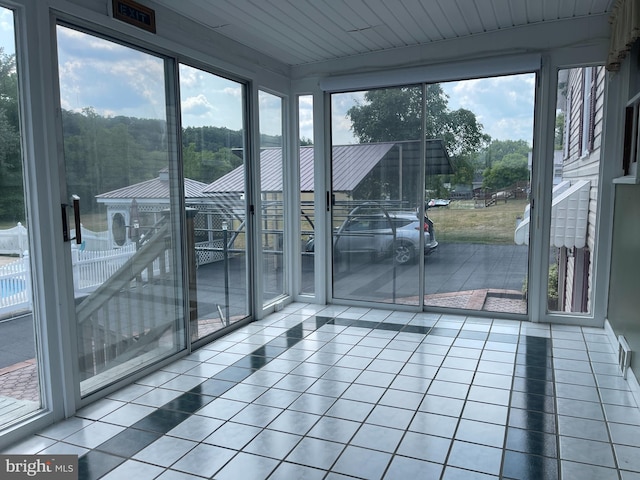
{"points": [[209, 252]]}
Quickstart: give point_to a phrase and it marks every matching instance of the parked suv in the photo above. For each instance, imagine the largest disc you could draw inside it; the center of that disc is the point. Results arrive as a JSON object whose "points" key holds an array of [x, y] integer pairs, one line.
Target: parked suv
{"points": [[379, 234]]}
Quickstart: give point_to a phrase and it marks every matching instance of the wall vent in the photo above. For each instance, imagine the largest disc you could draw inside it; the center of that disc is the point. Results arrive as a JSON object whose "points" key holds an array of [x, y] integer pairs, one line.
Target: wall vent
{"points": [[624, 355]]}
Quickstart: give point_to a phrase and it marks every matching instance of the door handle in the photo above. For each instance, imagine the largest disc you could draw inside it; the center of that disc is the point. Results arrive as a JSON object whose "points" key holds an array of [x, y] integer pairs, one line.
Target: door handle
{"points": [[76, 218]]}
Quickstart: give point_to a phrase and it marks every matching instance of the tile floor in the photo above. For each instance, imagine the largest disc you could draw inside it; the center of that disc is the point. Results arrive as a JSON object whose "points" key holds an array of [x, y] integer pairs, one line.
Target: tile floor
{"points": [[334, 393]]}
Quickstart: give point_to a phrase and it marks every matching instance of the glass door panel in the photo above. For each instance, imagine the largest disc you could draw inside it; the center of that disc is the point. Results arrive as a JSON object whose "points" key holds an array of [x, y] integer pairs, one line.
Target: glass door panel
{"points": [[486, 128], [19, 379], [213, 139], [307, 187], [378, 236], [271, 196], [576, 167], [123, 197]]}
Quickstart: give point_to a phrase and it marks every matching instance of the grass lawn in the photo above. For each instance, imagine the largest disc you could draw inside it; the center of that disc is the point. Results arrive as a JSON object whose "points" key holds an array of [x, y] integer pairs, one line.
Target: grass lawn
{"points": [[96, 222], [462, 222]]}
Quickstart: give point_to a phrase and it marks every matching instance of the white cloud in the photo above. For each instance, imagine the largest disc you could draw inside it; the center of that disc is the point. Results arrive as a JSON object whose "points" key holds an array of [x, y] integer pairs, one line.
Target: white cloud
{"points": [[341, 133], [111, 78], [305, 116], [504, 105], [197, 106], [235, 91]]}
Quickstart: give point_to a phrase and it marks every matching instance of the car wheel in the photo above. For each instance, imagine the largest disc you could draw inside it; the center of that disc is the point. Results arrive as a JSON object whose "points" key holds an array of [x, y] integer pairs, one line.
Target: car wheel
{"points": [[403, 253]]}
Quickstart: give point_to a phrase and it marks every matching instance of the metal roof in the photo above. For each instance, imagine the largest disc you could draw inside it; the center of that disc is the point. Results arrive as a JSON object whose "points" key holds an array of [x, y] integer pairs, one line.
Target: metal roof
{"points": [[350, 165], [156, 188]]}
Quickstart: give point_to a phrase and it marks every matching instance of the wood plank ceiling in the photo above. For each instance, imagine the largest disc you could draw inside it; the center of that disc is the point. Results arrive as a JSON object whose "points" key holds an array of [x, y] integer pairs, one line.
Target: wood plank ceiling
{"points": [[299, 32]]}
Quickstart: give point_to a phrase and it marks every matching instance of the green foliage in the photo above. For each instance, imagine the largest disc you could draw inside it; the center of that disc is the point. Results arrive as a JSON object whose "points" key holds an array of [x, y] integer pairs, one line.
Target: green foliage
{"points": [[107, 153], [11, 182], [436, 187], [552, 288], [552, 294], [395, 114], [212, 138], [512, 168], [464, 171], [390, 114], [497, 150], [559, 131]]}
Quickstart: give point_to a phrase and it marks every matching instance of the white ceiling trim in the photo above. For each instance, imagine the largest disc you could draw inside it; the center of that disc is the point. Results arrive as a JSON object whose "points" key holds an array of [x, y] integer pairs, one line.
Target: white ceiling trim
{"points": [[485, 67]]}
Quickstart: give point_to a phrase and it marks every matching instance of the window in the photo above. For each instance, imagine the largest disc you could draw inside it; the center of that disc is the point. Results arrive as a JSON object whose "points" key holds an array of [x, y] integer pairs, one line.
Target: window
{"points": [[272, 195], [631, 151], [575, 191]]}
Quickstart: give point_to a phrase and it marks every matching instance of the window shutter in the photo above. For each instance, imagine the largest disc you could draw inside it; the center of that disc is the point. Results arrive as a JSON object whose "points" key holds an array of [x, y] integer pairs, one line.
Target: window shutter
{"points": [[581, 119], [592, 109]]}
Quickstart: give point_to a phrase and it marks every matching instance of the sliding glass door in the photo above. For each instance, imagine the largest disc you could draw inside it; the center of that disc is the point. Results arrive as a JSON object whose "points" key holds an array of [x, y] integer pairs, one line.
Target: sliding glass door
{"points": [[20, 389], [486, 128], [122, 216], [272, 196], [435, 175], [378, 233], [213, 152]]}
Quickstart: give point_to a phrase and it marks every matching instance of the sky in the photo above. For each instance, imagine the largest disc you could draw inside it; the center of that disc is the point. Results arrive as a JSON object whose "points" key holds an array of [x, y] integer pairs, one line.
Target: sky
{"points": [[117, 80], [503, 105], [7, 37]]}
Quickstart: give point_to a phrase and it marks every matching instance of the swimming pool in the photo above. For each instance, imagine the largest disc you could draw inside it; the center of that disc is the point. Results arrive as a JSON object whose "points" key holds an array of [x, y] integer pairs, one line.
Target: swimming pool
{"points": [[11, 286]]}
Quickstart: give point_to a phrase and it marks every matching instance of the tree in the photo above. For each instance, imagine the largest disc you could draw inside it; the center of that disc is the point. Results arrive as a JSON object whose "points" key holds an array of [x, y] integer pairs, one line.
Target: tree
{"points": [[395, 114], [11, 178], [498, 149], [512, 168]]}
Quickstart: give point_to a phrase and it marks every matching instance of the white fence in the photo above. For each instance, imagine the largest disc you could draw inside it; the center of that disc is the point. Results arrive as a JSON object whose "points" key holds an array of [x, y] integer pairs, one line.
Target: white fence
{"points": [[90, 269], [91, 266], [14, 241], [15, 286]]}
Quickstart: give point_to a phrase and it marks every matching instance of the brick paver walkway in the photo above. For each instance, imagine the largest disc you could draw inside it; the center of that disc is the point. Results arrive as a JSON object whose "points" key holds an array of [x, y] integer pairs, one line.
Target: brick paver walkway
{"points": [[20, 381]]}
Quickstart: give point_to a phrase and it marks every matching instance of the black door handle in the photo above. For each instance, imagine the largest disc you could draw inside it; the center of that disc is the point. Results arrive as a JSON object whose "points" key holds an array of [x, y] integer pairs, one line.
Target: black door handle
{"points": [[76, 217]]}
